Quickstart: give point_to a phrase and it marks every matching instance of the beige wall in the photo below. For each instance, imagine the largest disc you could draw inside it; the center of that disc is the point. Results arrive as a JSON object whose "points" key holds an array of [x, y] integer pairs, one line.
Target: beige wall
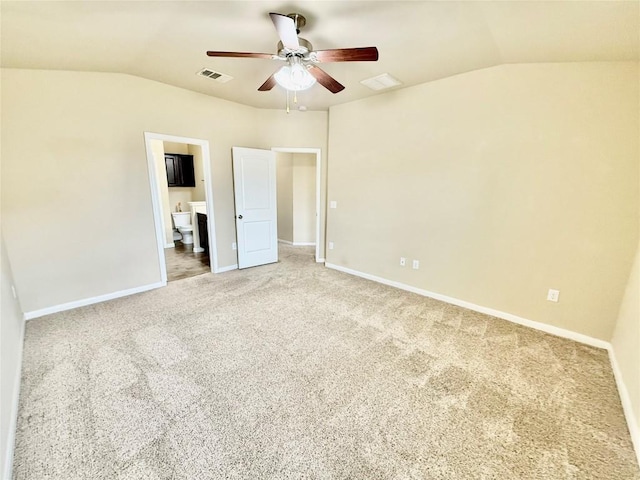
{"points": [[76, 201], [182, 196], [11, 338], [304, 198], [503, 182], [197, 194], [175, 147], [284, 186], [298, 130], [626, 339]]}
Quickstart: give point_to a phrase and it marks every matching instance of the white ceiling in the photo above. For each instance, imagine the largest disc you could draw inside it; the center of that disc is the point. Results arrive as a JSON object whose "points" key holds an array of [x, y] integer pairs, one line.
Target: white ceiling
{"points": [[418, 41]]}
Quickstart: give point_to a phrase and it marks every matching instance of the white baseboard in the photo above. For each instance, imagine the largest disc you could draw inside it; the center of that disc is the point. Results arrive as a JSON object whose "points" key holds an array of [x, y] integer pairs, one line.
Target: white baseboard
{"points": [[90, 301], [320, 260], [227, 269], [170, 245], [625, 399], [13, 421], [560, 332], [297, 244]]}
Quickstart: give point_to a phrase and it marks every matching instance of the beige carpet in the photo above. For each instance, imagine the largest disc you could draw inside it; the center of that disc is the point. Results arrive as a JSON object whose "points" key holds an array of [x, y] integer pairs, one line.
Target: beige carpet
{"points": [[296, 371]]}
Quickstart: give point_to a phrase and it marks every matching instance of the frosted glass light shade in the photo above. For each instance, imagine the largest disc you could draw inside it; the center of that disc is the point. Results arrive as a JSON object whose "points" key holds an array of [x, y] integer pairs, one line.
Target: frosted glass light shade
{"points": [[294, 77]]}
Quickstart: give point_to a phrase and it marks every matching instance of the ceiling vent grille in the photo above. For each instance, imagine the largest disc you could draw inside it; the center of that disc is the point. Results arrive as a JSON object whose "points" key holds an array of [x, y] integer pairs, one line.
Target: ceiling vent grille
{"points": [[381, 82], [217, 76]]}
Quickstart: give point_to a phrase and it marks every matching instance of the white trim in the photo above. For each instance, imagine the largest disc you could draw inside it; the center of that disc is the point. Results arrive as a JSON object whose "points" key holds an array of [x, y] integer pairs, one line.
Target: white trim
{"points": [[227, 269], [320, 260], [560, 332], [297, 244], [13, 421], [625, 399], [157, 206], [318, 153], [90, 301], [170, 245], [208, 198]]}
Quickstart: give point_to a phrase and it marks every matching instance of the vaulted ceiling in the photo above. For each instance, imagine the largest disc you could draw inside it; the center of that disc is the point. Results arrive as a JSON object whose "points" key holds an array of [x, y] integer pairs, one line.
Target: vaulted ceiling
{"points": [[418, 41]]}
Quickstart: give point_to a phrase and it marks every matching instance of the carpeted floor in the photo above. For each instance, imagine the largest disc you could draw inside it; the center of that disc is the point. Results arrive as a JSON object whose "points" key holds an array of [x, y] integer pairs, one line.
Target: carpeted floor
{"points": [[293, 370]]}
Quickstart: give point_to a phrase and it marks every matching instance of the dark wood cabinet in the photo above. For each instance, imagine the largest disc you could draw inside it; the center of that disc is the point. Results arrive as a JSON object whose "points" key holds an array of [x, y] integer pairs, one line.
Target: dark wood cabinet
{"points": [[179, 170], [203, 232]]}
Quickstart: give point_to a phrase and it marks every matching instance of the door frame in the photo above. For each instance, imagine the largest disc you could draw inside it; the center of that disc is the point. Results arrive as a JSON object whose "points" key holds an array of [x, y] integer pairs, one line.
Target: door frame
{"points": [[158, 213], [318, 153]]}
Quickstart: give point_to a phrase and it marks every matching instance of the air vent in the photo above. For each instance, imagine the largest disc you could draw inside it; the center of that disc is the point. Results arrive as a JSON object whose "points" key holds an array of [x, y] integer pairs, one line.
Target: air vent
{"points": [[217, 76], [381, 82]]}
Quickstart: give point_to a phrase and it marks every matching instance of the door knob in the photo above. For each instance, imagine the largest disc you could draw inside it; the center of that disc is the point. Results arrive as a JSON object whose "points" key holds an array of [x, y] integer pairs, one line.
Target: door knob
{"points": [[240, 217]]}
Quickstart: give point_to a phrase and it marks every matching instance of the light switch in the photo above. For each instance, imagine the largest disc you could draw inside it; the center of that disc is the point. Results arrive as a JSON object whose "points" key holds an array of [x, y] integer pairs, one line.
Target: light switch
{"points": [[333, 204]]}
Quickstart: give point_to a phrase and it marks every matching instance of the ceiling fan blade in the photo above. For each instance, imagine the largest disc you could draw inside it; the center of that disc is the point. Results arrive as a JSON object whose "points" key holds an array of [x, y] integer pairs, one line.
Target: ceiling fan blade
{"points": [[269, 84], [326, 80], [286, 28], [364, 54], [268, 56]]}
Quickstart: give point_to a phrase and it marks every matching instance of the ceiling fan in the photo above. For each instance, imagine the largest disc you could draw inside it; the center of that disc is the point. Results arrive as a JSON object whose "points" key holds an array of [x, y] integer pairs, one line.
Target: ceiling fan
{"points": [[301, 70]]}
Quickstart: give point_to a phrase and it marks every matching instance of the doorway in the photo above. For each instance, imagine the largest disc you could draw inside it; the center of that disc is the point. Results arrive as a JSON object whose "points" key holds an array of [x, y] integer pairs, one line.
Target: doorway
{"points": [[299, 221], [163, 206]]}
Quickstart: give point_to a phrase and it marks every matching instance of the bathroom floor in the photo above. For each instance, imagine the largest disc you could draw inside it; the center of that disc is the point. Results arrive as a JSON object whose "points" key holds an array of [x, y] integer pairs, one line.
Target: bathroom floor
{"points": [[183, 263]]}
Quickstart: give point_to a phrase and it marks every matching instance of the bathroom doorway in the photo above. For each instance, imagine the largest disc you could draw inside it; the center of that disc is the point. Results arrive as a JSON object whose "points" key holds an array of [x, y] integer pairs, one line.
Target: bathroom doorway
{"points": [[183, 206], [182, 262]]}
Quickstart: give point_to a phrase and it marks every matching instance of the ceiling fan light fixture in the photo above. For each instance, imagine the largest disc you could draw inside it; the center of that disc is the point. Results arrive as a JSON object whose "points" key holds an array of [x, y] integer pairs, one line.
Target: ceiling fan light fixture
{"points": [[301, 71], [295, 76]]}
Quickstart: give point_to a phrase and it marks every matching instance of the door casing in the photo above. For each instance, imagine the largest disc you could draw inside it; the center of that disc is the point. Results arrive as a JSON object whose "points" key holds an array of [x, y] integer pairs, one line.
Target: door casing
{"points": [[157, 205], [318, 154]]}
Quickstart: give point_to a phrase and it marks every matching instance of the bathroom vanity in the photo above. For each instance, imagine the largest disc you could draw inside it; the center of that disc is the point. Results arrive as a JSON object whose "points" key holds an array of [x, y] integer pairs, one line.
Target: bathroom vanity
{"points": [[198, 207], [203, 231]]}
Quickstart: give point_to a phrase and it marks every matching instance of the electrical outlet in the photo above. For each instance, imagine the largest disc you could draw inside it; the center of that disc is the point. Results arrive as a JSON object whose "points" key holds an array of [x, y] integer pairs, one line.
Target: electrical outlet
{"points": [[403, 261], [333, 204], [330, 245], [234, 246], [553, 295], [416, 264]]}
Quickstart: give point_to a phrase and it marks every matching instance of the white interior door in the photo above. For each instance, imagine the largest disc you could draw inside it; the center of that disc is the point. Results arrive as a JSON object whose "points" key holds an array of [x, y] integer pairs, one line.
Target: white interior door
{"points": [[254, 184]]}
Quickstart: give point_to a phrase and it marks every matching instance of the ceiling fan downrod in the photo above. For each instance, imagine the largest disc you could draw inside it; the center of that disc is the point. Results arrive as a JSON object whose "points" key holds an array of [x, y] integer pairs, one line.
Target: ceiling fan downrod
{"points": [[298, 20]]}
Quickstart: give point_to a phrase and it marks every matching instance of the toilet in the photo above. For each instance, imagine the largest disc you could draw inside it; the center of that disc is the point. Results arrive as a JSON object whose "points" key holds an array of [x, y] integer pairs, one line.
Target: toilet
{"points": [[182, 221]]}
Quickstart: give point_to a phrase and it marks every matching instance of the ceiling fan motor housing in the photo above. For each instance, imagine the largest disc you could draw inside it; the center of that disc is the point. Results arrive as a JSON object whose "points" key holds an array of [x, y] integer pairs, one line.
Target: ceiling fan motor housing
{"points": [[302, 51], [298, 19], [300, 57]]}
